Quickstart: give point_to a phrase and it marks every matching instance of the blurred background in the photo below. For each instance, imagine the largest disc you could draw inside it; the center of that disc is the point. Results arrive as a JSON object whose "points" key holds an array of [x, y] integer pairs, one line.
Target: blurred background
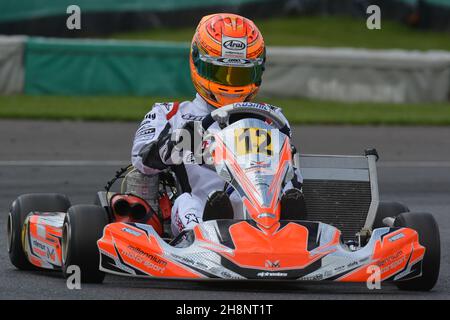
{"points": [[324, 64]]}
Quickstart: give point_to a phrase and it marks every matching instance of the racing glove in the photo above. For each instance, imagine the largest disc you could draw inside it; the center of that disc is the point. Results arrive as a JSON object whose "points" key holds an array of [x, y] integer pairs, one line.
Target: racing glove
{"points": [[158, 153], [192, 136]]}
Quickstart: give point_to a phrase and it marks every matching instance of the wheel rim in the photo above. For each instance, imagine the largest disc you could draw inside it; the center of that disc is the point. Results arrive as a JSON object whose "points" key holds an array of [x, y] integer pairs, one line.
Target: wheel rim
{"points": [[65, 240], [10, 232]]}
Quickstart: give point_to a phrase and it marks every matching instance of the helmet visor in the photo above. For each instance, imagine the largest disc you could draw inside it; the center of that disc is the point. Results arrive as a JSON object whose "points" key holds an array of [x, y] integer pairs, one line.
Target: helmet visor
{"points": [[230, 71]]}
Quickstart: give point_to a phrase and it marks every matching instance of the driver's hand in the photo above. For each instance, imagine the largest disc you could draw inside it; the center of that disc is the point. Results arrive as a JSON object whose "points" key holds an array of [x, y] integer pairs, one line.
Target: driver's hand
{"points": [[191, 139]]}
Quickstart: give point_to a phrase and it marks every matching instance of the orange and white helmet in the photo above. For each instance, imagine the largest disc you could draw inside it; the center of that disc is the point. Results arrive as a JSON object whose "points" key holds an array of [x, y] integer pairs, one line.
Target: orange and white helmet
{"points": [[227, 59]]}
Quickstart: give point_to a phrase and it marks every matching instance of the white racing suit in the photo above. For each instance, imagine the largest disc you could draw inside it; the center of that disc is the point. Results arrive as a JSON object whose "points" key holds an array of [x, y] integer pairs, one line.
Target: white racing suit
{"points": [[188, 208]]}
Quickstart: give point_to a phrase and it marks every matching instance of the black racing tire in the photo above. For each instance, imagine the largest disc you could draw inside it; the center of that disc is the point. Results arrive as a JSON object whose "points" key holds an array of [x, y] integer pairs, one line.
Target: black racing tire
{"points": [[428, 230], [83, 226], [388, 209], [18, 211]]}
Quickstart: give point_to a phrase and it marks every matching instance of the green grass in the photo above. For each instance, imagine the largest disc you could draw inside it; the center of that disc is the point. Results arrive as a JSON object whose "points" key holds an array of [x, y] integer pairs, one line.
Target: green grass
{"points": [[297, 111], [322, 31]]}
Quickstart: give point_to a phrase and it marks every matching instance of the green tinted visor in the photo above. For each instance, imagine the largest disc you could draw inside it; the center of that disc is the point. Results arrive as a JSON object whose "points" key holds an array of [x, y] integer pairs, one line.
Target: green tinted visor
{"points": [[233, 72]]}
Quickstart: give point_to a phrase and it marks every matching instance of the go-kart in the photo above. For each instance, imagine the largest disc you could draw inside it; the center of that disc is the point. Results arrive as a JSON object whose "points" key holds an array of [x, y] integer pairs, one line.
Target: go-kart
{"points": [[349, 235]]}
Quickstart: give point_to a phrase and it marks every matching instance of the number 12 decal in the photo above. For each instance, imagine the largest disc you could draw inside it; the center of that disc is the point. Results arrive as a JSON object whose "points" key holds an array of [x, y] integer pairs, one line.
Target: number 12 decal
{"points": [[252, 141]]}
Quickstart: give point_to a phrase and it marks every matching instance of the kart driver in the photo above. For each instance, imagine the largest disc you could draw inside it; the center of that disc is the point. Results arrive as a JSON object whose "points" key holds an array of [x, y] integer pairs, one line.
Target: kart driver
{"points": [[227, 59]]}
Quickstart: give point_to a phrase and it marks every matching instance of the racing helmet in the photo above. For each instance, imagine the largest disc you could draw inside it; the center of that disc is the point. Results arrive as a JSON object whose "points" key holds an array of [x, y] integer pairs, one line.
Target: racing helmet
{"points": [[227, 59]]}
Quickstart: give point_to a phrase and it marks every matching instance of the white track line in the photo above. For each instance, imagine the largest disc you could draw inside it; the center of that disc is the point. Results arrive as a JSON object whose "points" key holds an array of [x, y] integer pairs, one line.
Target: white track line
{"points": [[119, 163]]}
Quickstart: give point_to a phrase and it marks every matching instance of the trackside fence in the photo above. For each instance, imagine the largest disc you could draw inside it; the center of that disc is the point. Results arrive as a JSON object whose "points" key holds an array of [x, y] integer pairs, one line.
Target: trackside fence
{"points": [[47, 66]]}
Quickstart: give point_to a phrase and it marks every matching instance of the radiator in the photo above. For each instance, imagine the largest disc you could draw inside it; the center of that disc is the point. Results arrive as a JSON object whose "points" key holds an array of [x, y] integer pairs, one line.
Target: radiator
{"points": [[340, 203]]}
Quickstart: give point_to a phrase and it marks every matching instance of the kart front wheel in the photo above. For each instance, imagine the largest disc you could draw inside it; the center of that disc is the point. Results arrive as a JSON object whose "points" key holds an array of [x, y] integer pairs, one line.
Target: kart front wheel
{"points": [[83, 226], [19, 210], [388, 209], [428, 231]]}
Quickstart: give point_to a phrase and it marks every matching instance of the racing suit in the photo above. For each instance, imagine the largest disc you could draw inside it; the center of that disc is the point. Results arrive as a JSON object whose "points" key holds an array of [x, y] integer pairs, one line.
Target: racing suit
{"points": [[188, 208]]}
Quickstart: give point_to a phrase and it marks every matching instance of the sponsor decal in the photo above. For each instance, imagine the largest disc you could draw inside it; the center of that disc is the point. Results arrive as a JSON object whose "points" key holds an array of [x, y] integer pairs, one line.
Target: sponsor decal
{"points": [[146, 132], [147, 259], [150, 256], [178, 222], [150, 116], [145, 122], [389, 259], [191, 217], [391, 262], [260, 164], [266, 215], [234, 61], [393, 265], [271, 274], [234, 44], [397, 237], [221, 272], [145, 126], [211, 269], [234, 47], [201, 265], [272, 264], [339, 269], [316, 277], [166, 105], [192, 117], [227, 275], [39, 245], [265, 106], [44, 251], [132, 232]]}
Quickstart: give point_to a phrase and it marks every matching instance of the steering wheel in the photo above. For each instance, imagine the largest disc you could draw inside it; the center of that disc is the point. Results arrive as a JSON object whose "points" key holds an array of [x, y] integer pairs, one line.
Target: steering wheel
{"points": [[222, 116], [249, 109]]}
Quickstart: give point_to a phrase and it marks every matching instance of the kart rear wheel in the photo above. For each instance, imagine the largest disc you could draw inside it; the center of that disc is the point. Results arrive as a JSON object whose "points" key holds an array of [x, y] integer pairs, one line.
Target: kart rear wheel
{"points": [[83, 226], [427, 228], [19, 210], [388, 209]]}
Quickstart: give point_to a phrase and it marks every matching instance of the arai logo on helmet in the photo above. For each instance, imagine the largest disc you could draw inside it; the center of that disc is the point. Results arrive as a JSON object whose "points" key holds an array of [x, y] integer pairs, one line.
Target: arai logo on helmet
{"points": [[233, 44], [234, 47], [233, 61]]}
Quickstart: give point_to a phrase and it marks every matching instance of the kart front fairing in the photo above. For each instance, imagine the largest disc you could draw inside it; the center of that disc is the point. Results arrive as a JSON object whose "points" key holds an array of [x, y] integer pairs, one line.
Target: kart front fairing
{"points": [[256, 160], [239, 250]]}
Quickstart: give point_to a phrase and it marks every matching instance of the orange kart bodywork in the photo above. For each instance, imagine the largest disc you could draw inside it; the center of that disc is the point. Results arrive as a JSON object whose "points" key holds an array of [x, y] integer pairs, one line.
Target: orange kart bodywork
{"points": [[233, 249], [41, 239], [236, 249]]}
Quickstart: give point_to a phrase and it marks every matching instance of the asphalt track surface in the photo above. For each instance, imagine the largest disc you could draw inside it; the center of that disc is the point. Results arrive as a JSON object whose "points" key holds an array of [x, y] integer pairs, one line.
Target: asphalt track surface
{"points": [[77, 158]]}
